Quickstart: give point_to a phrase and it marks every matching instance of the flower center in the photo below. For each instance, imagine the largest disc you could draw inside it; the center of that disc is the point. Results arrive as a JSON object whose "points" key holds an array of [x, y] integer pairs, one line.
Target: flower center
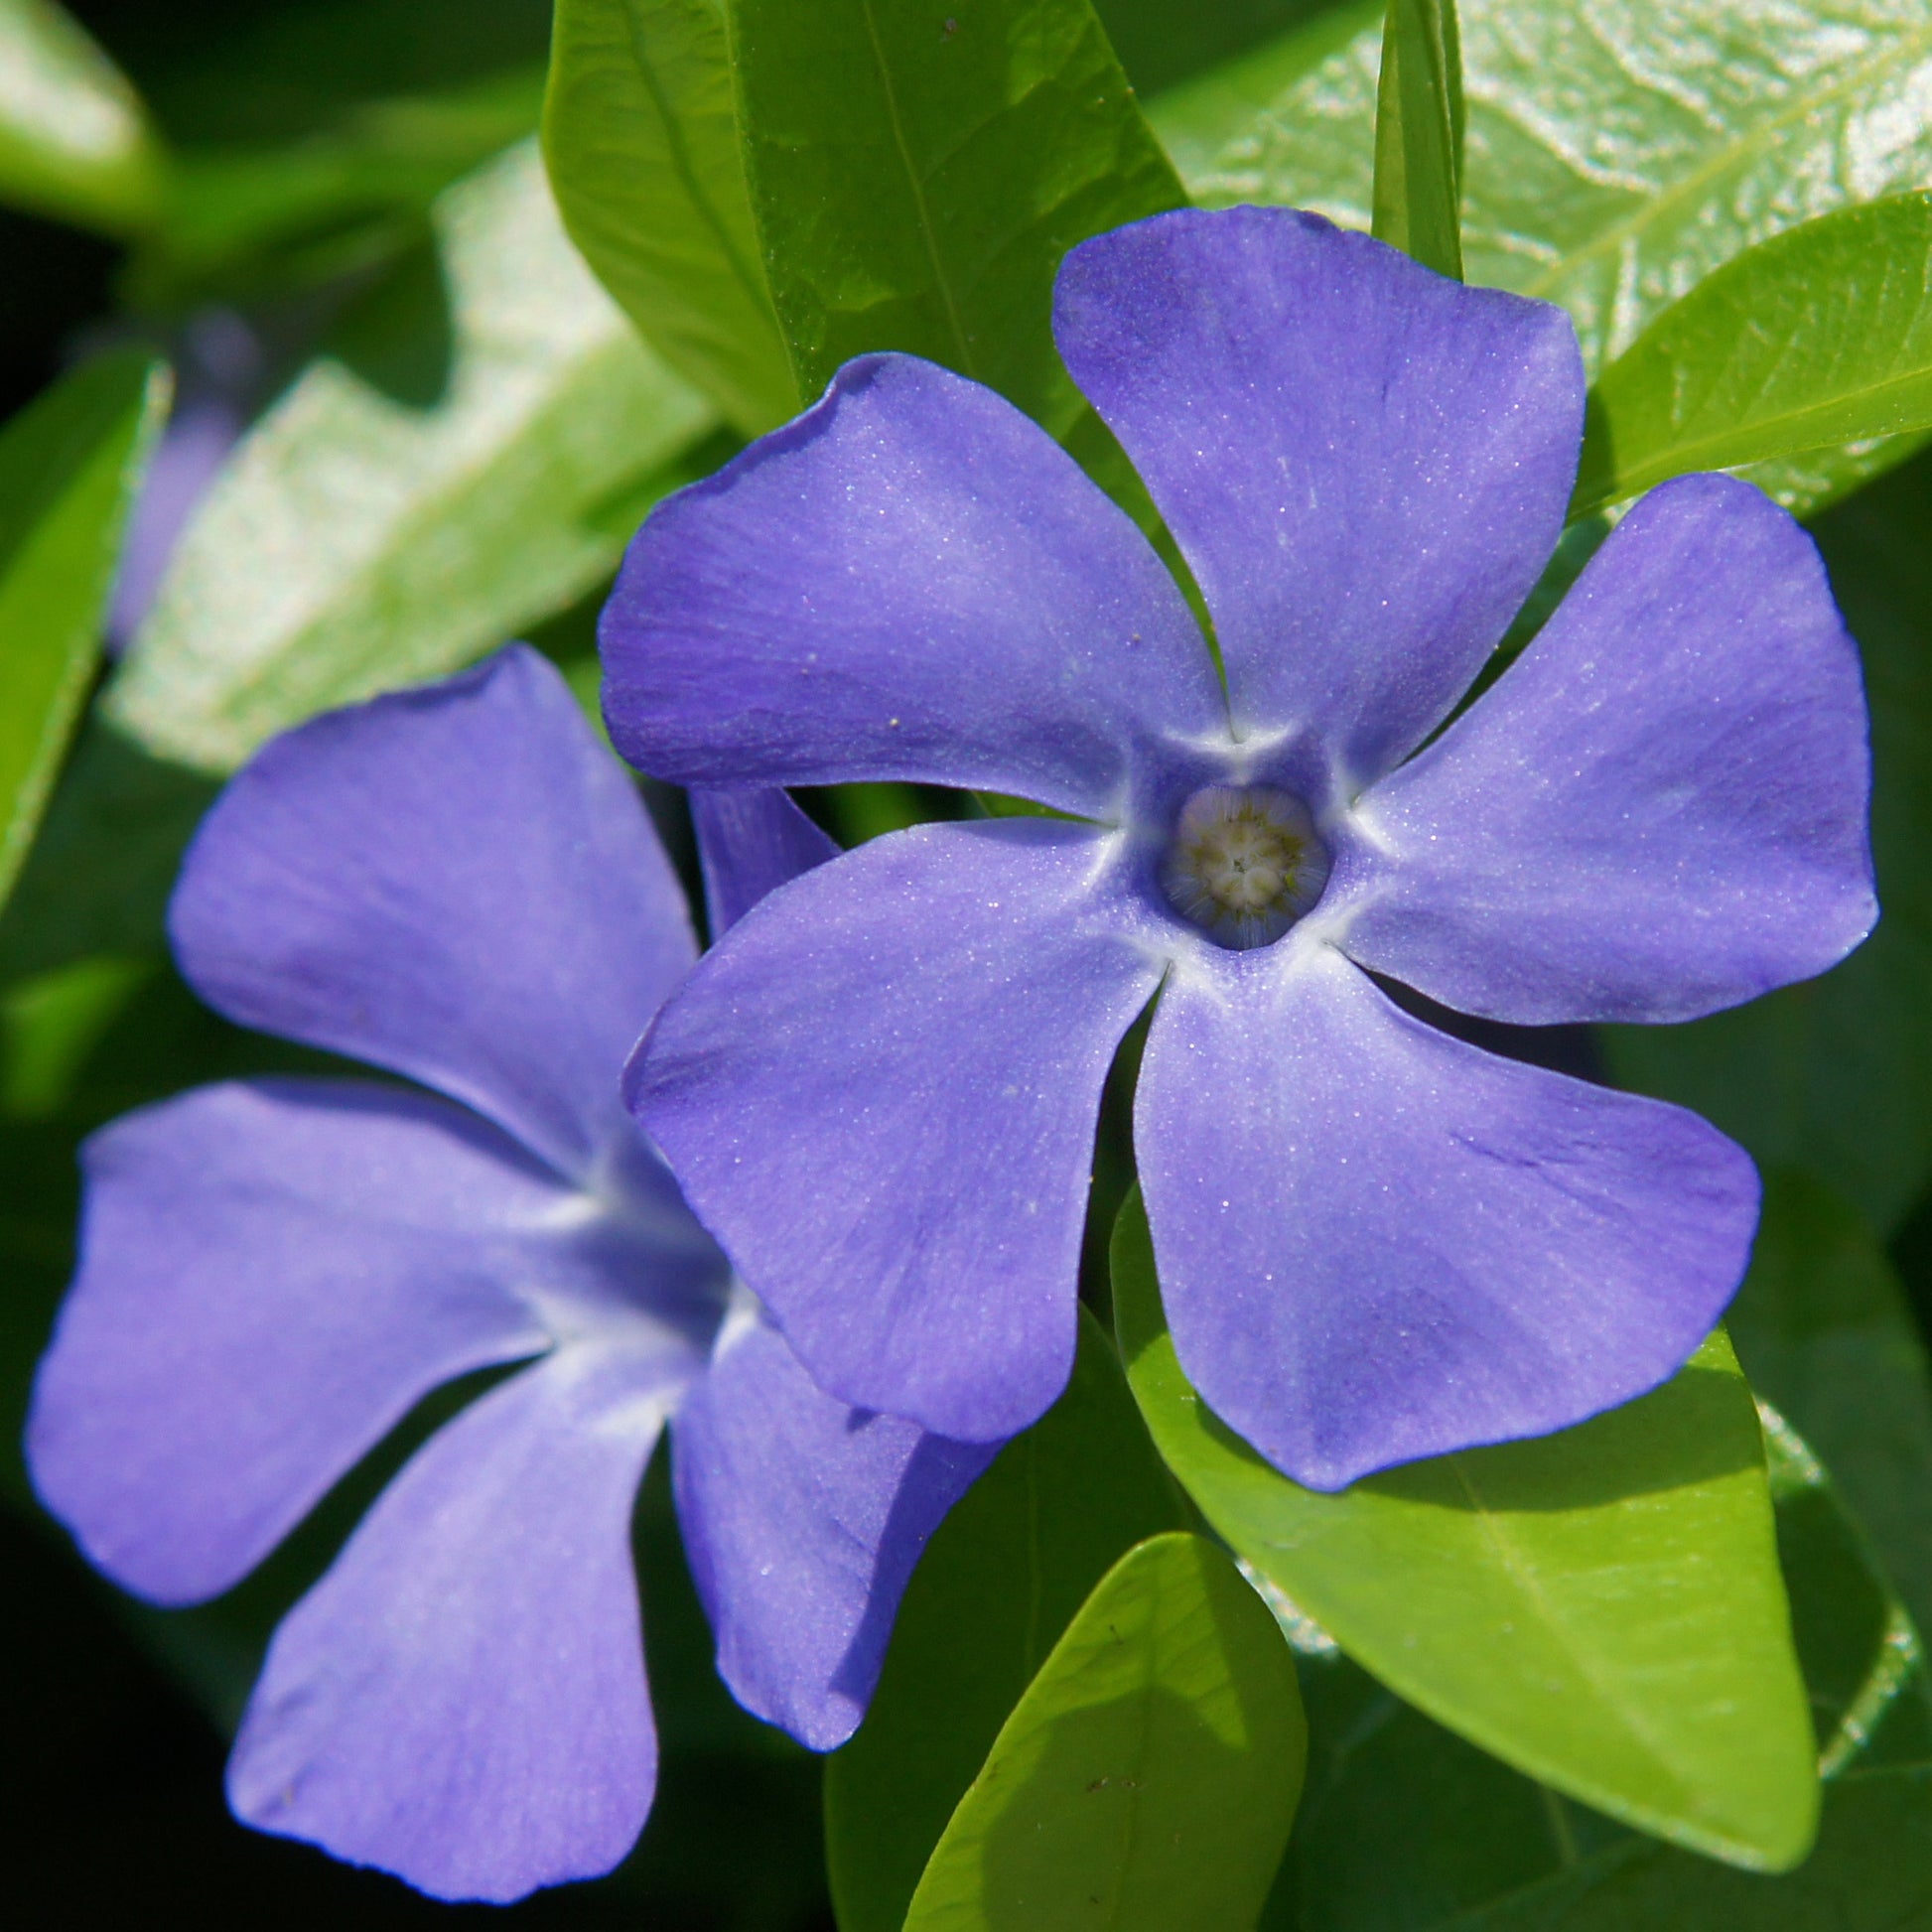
{"points": [[1244, 864]]}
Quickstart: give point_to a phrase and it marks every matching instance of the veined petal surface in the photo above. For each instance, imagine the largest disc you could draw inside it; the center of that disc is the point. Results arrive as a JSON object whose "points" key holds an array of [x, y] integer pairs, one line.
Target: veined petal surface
{"points": [[911, 581], [1377, 1243], [459, 884], [750, 843], [1660, 810], [1366, 464]]}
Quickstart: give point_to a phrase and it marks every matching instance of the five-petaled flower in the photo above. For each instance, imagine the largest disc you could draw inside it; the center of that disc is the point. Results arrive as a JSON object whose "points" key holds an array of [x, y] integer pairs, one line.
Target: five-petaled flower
{"points": [[461, 884], [1376, 1242]]}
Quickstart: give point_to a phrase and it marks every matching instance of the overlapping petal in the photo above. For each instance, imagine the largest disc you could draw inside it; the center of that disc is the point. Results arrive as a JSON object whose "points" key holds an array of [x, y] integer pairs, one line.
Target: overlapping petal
{"points": [[750, 843], [880, 1093], [462, 1700], [1367, 466], [1377, 1243], [1660, 808], [802, 1521], [271, 1275], [911, 581], [456, 883]]}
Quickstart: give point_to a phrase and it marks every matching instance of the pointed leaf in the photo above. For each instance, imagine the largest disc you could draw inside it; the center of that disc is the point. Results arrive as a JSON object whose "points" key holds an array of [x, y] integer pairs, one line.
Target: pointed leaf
{"points": [[919, 168], [363, 539], [69, 469], [1000, 1581], [1601, 1608], [74, 140], [1819, 337], [1147, 1780], [641, 132], [1419, 134]]}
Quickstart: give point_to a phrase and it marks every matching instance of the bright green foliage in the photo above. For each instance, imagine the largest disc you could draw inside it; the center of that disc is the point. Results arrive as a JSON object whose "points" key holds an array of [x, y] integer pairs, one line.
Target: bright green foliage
{"points": [[1406, 1828], [1820, 336], [1823, 1331], [918, 169], [1147, 1780], [1836, 1075], [1419, 121], [640, 131], [68, 470], [1601, 1608], [402, 510], [74, 139], [1616, 155], [1000, 1581]]}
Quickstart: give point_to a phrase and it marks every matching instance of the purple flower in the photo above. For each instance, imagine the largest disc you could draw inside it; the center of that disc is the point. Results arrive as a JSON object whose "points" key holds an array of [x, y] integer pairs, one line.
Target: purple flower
{"points": [[461, 884], [1376, 1242]]}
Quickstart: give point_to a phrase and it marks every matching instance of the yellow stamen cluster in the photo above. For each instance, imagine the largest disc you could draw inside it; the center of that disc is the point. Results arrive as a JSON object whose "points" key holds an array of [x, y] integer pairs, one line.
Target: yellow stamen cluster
{"points": [[1244, 864]]}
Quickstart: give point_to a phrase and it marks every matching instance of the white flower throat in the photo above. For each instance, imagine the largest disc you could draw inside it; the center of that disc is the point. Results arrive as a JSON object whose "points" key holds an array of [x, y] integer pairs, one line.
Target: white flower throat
{"points": [[1244, 864]]}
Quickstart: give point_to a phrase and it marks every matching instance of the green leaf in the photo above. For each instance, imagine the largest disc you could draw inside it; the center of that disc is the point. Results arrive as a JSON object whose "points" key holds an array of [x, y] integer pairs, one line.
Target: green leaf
{"points": [[1823, 1330], [1615, 157], [1147, 1780], [1001, 1580], [1419, 123], [1406, 1827], [69, 469], [1820, 336], [919, 168], [74, 140], [1601, 1608], [472, 460], [640, 131], [1836, 1075]]}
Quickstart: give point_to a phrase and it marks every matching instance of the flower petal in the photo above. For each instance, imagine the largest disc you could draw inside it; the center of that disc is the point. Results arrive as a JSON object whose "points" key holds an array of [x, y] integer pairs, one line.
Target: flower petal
{"points": [[880, 1094], [457, 883], [1660, 810], [1378, 1243], [272, 1274], [461, 1700], [751, 843], [1365, 465], [803, 1520], [911, 581]]}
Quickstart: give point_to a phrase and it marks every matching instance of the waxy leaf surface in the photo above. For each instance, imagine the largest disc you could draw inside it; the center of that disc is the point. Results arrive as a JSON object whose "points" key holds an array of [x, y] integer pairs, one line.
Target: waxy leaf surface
{"points": [[919, 168], [69, 466], [1146, 1779], [1002, 1577], [1601, 1608], [386, 522], [1418, 189], [641, 132]]}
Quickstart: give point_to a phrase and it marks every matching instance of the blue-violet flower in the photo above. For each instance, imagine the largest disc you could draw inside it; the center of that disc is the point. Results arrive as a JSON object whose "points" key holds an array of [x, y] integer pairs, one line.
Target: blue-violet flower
{"points": [[1376, 1242]]}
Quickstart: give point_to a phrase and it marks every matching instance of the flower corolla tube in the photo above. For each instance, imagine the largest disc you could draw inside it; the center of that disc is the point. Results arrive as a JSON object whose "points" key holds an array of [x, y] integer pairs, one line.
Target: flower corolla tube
{"points": [[461, 884], [1375, 1242]]}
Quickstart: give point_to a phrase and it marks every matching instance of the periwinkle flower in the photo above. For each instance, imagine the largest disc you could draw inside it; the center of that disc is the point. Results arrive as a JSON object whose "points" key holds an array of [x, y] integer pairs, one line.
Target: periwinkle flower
{"points": [[459, 885], [1376, 1242]]}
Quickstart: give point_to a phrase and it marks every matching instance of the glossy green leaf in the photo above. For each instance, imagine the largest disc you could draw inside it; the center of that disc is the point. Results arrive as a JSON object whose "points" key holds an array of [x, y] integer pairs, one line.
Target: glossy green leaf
{"points": [[918, 169], [74, 139], [471, 461], [1000, 1581], [1147, 1780], [1820, 336], [69, 469], [1406, 1828], [1824, 1333], [640, 131], [1419, 121], [1616, 155], [1836, 1075], [1601, 1608]]}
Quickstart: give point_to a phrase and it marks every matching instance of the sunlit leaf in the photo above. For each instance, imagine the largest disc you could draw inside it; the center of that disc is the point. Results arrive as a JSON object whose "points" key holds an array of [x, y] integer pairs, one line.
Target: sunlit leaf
{"points": [[1146, 1779], [69, 469], [1419, 121], [472, 460], [1601, 1608], [1000, 1581]]}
